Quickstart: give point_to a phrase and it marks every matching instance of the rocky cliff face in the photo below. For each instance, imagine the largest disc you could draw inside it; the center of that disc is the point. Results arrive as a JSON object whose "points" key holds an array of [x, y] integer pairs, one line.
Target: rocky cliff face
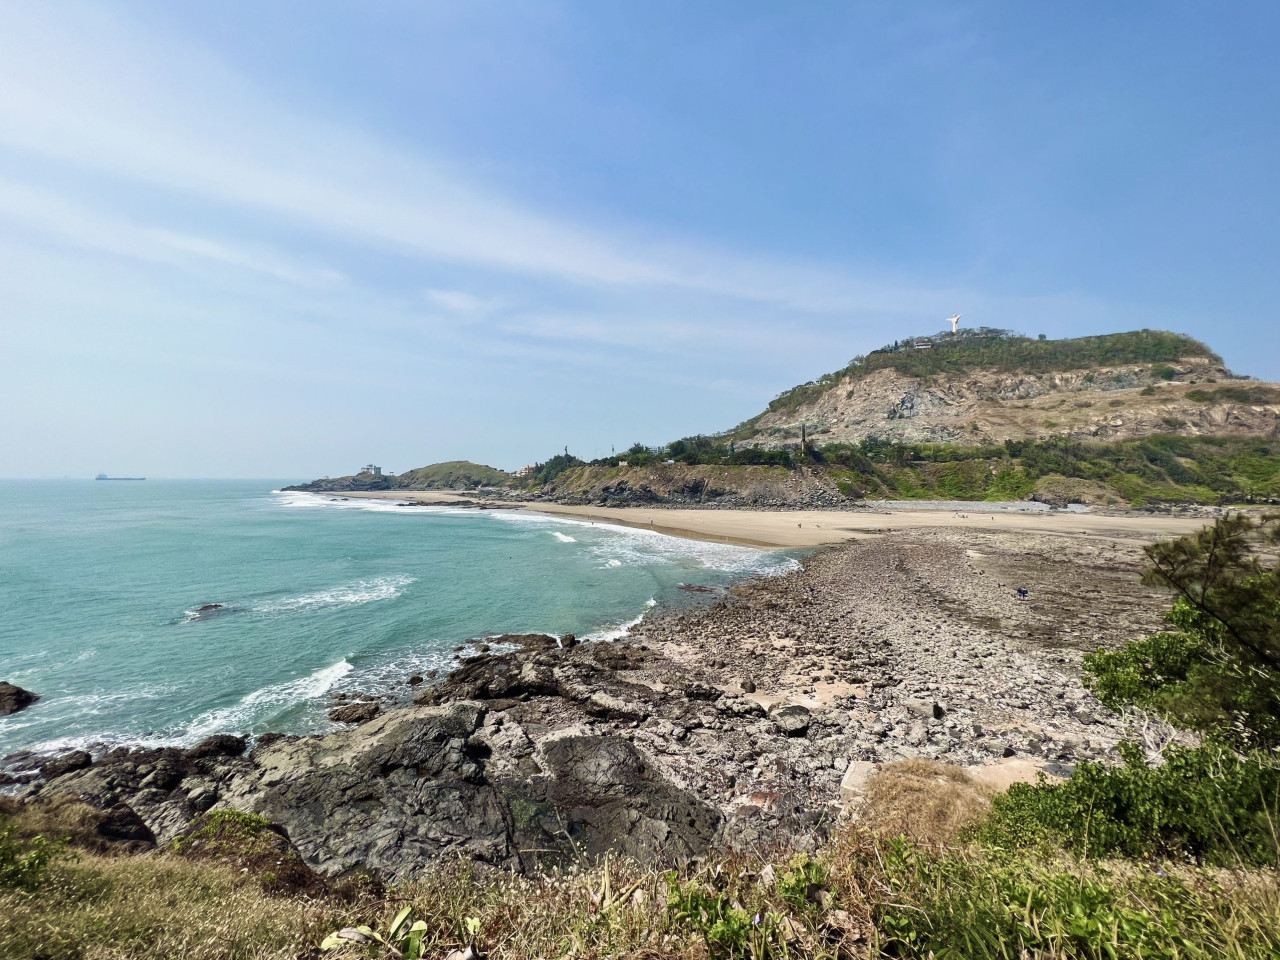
{"points": [[679, 484], [1111, 403]]}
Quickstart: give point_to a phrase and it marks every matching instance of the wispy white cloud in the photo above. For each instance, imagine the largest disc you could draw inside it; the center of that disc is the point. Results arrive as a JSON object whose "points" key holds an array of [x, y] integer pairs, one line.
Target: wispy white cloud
{"points": [[103, 96], [51, 215]]}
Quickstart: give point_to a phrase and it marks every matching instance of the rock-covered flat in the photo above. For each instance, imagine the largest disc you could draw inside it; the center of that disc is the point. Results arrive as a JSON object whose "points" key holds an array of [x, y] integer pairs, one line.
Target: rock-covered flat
{"points": [[733, 720]]}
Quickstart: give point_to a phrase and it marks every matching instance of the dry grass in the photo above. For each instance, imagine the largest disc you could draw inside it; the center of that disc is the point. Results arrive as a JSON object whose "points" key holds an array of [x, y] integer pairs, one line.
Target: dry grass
{"points": [[63, 818], [860, 894], [158, 908], [924, 800]]}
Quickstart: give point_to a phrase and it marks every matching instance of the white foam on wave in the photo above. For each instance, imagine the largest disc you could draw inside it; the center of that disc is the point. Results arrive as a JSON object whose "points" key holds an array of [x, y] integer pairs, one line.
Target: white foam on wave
{"points": [[614, 544], [254, 708], [265, 702], [335, 501], [360, 591], [622, 629], [617, 545]]}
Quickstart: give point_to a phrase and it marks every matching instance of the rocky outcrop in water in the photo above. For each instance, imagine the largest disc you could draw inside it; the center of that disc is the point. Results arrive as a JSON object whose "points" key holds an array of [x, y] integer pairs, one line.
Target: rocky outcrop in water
{"points": [[14, 698]]}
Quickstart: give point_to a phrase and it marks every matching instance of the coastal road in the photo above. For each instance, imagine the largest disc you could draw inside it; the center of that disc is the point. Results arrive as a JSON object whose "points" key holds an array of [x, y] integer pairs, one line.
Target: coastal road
{"points": [[816, 528]]}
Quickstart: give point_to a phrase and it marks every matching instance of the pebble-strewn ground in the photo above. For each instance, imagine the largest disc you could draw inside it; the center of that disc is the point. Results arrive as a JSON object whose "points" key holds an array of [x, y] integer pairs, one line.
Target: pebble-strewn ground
{"points": [[734, 720], [891, 647]]}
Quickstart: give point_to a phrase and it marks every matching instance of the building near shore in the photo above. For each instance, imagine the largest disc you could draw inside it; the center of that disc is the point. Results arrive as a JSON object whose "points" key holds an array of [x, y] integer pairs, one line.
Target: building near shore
{"points": [[370, 468]]}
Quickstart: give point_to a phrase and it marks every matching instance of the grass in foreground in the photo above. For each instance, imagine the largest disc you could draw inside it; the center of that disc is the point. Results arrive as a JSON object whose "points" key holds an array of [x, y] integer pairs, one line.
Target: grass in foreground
{"points": [[856, 897], [904, 883]]}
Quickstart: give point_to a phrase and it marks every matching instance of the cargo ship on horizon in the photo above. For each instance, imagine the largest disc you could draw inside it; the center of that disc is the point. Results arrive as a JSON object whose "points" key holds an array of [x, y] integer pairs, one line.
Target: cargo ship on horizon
{"points": [[103, 476]]}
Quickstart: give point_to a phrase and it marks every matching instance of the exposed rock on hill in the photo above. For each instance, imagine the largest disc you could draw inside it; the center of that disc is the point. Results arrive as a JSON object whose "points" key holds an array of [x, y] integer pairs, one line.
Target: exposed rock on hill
{"points": [[991, 406]]}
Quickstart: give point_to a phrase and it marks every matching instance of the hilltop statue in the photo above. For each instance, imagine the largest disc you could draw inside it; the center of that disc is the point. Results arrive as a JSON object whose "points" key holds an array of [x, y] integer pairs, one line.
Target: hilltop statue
{"points": [[954, 321]]}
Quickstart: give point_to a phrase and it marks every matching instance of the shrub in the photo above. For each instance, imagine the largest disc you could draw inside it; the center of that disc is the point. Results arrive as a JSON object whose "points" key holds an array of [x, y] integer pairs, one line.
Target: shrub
{"points": [[23, 863], [924, 800], [1207, 804], [1219, 672], [728, 930], [954, 906]]}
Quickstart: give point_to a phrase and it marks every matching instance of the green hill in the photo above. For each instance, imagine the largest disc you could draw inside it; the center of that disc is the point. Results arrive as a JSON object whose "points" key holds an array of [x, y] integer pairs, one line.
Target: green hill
{"points": [[452, 475], [1002, 351]]}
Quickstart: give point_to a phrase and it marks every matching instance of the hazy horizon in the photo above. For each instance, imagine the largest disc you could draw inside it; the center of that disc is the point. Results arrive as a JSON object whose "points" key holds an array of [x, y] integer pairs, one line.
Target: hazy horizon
{"points": [[247, 241]]}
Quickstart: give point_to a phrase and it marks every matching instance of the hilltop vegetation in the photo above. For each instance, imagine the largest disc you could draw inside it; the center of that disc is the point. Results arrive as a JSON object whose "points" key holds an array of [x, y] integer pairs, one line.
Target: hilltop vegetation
{"points": [[1144, 472], [1140, 418], [452, 475], [1005, 352]]}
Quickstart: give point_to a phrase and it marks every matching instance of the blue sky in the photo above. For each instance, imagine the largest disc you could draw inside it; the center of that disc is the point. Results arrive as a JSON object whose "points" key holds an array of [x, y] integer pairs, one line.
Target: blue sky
{"points": [[283, 239]]}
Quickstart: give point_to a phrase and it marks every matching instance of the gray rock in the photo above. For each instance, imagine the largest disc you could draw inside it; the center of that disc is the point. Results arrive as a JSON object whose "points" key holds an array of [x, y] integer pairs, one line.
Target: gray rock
{"points": [[924, 708], [13, 698], [793, 720], [219, 745], [65, 763], [361, 712]]}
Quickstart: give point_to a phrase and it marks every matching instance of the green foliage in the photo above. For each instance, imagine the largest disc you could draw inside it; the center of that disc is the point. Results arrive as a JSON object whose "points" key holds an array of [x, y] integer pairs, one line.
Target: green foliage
{"points": [[802, 881], [549, 471], [1219, 671], [225, 826], [950, 906], [403, 939], [23, 864], [1236, 394], [727, 929], [1207, 804]]}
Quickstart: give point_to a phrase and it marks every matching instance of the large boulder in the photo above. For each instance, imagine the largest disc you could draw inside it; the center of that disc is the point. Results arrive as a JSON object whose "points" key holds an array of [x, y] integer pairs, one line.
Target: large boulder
{"points": [[792, 719], [391, 796], [218, 745], [608, 797], [65, 763], [410, 788], [360, 712], [13, 698]]}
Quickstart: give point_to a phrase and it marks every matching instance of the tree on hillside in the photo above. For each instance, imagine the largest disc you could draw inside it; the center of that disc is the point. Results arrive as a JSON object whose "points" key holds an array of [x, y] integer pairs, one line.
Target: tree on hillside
{"points": [[1218, 670]]}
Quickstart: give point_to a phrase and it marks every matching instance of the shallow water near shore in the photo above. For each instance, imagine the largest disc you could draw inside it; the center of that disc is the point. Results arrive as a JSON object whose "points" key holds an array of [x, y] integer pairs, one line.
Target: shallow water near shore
{"points": [[101, 586]]}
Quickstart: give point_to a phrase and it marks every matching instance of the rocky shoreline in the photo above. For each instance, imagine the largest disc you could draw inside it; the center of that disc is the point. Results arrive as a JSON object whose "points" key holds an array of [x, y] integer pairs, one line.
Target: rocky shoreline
{"points": [[750, 719]]}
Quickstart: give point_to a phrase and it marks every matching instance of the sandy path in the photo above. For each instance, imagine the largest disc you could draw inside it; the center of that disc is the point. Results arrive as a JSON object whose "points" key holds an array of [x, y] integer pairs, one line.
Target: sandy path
{"points": [[814, 528]]}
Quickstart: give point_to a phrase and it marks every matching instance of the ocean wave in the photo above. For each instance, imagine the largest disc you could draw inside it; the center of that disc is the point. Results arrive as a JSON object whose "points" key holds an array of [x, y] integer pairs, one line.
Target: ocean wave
{"points": [[336, 501], [360, 591], [264, 703], [563, 537], [254, 709], [619, 545], [620, 630]]}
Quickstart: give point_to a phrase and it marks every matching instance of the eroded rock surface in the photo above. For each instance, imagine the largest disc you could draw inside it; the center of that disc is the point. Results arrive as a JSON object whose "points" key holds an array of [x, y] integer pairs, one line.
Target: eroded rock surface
{"points": [[734, 721]]}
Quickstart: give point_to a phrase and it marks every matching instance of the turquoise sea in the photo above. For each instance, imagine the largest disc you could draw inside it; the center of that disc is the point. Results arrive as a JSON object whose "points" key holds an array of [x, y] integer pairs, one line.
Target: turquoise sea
{"points": [[100, 582]]}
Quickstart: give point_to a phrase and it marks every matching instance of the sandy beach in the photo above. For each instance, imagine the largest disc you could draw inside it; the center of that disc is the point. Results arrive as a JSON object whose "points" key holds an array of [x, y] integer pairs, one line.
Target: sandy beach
{"points": [[816, 528]]}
